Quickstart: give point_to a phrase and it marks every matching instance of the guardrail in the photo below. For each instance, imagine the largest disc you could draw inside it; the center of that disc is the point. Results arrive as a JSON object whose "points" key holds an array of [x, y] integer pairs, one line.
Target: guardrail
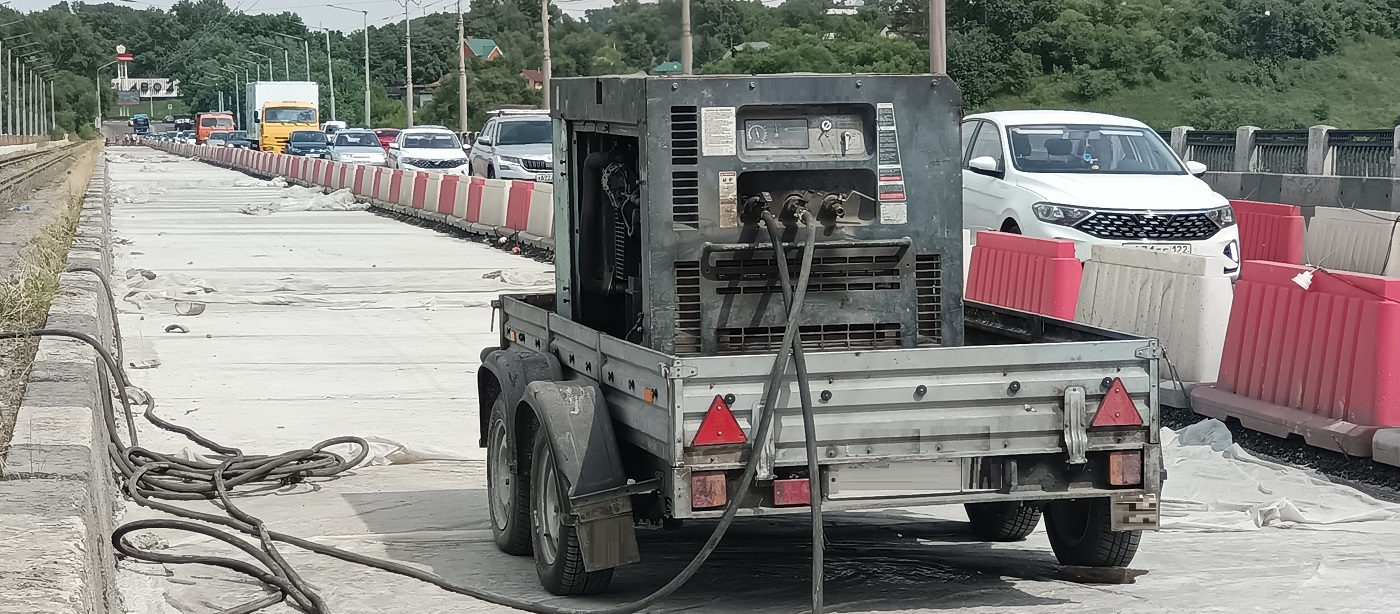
{"points": [[1319, 150]]}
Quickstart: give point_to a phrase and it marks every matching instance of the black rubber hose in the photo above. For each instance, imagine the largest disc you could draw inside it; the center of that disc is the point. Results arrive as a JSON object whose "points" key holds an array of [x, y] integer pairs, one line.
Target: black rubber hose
{"points": [[148, 476], [809, 425]]}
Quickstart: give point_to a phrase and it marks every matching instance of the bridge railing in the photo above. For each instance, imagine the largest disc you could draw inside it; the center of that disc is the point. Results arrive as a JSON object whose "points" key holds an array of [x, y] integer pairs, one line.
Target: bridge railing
{"points": [[1319, 150]]}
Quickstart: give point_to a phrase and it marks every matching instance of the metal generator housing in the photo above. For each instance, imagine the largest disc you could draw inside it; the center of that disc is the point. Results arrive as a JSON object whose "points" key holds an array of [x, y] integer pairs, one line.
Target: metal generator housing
{"points": [[659, 185]]}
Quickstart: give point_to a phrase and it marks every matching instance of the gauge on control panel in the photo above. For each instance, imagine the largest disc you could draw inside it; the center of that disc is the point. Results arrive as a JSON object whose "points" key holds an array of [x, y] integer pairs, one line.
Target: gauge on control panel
{"points": [[776, 134]]}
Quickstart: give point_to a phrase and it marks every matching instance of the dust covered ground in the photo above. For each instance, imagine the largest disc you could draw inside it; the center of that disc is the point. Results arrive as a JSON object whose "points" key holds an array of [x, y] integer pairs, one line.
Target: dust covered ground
{"points": [[327, 323]]}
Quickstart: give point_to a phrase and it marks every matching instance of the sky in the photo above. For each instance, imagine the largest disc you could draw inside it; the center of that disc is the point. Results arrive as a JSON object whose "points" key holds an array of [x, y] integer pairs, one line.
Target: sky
{"points": [[315, 12]]}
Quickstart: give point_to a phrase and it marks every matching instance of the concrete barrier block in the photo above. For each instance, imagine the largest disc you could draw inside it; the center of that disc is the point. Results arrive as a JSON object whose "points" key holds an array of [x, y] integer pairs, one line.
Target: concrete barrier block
{"points": [[1309, 190], [1354, 240], [1182, 300], [495, 197], [446, 202], [1385, 447], [541, 223], [1269, 231]]}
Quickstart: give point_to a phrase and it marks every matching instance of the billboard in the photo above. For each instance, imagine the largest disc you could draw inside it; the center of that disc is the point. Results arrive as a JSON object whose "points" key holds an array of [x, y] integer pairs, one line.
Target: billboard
{"points": [[149, 87], [128, 98]]}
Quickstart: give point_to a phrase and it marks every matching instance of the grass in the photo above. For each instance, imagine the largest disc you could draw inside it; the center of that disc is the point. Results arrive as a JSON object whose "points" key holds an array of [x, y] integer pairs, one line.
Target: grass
{"points": [[1357, 88]]}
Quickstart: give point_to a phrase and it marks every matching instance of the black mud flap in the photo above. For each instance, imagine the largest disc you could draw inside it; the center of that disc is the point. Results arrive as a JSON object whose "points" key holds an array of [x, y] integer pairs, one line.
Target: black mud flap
{"points": [[579, 425]]}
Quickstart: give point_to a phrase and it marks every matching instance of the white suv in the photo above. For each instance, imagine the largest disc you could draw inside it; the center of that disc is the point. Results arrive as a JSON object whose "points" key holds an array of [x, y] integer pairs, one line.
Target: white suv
{"points": [[1093, 179], [428, 148]]}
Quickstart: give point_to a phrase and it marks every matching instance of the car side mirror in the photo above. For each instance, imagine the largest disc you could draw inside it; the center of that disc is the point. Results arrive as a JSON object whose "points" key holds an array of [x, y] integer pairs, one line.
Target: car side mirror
{"points": [[393, 145], [985, 165], [484, 141], [1196, 168]]}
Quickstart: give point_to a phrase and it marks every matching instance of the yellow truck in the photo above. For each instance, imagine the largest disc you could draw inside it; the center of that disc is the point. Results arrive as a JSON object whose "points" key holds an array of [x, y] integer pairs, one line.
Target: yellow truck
{"points": [[279, 108]]}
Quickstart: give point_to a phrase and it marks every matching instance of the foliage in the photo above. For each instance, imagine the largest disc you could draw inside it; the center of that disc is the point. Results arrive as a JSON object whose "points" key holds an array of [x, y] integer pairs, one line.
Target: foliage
{"points": [[1197, 62]]}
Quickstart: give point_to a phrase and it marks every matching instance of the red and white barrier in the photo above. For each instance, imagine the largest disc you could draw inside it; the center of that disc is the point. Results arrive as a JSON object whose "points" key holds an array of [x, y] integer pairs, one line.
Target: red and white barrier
{"points": [[1269, 231], [1024, 273]]}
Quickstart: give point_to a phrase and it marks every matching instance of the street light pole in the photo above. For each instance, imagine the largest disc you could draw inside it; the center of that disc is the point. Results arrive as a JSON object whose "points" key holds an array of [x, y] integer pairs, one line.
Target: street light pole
{"points": [[461, 70], [938, 37], [365, 16], [330, 70], [305, 48], [286, 63], [547, 67], [98, 79], [408, 57], [686, 52]]}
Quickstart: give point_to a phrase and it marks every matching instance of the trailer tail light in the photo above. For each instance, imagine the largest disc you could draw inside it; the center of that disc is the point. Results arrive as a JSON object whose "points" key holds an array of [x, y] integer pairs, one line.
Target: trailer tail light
{"points": [[1117, 408], [792, 492], [708, 490], [1125, 468], [719, 426]]}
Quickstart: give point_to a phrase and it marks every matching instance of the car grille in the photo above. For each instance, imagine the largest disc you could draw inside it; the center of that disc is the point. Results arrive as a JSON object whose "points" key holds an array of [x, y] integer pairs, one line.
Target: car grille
{"points": [[536, 165], [1149, 226], [437, 163]]}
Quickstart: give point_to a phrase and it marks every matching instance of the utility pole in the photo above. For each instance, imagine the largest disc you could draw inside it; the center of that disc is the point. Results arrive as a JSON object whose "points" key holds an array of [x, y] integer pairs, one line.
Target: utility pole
{"points": [[461, 70], [687, 61], [548, 67], [53, 109], [408, 57], [330, 69], [938, 37], [98, 79], [365, 16]]}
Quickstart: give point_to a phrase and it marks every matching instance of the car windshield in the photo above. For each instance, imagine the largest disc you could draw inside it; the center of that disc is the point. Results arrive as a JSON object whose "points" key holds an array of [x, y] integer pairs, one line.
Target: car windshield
{"points": [[290, 115], [431, 140], [216, 122], [1091, 148], [308, 137], [236, 135], [141, 121], [525, 132], [218, 136], [356, 139]]}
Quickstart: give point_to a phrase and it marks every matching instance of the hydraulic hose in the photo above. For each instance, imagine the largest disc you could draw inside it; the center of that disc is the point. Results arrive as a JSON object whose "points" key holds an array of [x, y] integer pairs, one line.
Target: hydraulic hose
{"points": [[809, 426], [151, 479]]}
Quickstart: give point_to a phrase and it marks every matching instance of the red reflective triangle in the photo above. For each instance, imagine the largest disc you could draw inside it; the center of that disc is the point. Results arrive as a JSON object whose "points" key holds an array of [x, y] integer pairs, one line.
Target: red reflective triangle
{"points": [[1117, 408], [719, 426]]}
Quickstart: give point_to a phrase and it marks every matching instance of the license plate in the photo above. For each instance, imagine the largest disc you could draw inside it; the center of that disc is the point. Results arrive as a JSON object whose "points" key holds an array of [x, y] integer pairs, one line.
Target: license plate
{"points": [[545, 177], [1175, 248]]}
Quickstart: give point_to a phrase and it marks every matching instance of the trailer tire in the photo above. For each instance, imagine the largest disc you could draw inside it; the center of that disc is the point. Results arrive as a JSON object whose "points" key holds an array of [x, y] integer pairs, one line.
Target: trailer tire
{"points": [[1007, 521], [558, 557], [509, 498], [1080, 534]]}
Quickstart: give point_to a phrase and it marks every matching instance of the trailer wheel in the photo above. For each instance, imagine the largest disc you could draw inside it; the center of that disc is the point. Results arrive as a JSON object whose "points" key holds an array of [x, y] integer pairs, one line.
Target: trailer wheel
{"points": [[1080, 534], [508, 493], [1002, 521], [558, 558]]}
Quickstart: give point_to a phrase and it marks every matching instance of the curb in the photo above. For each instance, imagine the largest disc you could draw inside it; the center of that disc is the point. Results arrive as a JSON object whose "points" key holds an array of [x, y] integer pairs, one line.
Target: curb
{"points": [[57, 495]]}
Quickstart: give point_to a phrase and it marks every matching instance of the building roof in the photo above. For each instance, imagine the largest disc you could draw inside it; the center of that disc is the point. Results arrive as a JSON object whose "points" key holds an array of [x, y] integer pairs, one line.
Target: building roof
{"points": [[533, 76], [482, 47], [754, 46], [666, 68]]}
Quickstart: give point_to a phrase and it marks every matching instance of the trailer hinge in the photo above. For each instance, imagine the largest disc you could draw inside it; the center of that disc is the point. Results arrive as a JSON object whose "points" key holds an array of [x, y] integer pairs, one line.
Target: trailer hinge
{"points": [[1076, 425], [678, 370], [1151, 352]]}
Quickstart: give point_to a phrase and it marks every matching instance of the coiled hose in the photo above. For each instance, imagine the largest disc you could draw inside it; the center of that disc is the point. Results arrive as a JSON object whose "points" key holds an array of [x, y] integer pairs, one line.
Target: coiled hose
{"points": [[151, 479]]}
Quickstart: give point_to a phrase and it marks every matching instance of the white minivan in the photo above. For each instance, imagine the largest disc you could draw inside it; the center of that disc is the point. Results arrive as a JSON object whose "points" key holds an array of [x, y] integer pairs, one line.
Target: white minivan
{"points": [[1093, 179]]}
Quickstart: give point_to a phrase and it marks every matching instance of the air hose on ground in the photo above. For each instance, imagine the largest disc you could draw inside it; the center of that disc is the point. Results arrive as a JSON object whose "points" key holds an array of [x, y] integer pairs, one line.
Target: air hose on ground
{"points": [[152, 478]]}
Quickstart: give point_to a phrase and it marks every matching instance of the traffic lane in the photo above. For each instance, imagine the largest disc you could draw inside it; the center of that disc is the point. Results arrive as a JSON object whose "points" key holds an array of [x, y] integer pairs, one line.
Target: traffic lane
{"points": [[434, 517]]}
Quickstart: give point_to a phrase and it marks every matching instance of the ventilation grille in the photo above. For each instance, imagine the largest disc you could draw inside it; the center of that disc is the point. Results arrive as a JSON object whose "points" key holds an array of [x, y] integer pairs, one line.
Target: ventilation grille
{"points": [[685, 155], [757, 271], [687, 308], [928, 284], [763, 339]]}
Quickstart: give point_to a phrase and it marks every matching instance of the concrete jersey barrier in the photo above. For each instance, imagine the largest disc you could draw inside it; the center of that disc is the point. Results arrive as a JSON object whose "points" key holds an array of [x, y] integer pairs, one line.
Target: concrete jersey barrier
{"points": [[1025, 273], [1182, 300], [1322, 361], [1355, 240]]}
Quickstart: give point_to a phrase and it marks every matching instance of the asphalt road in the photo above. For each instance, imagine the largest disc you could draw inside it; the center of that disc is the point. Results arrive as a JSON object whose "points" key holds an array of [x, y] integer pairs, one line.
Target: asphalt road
{"points": [[325, 323]]}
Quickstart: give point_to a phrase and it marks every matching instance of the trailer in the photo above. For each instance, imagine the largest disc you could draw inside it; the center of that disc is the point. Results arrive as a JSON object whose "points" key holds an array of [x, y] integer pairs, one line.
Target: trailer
{"points": [[711, 233]]}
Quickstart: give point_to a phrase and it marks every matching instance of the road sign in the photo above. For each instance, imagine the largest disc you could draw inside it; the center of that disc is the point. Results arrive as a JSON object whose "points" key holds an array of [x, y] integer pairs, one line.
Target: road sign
{"points": [[149, 87]]}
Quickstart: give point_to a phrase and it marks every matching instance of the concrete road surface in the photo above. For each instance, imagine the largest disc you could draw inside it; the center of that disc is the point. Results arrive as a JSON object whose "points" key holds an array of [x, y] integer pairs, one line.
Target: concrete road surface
{"points": [[330, 322]]}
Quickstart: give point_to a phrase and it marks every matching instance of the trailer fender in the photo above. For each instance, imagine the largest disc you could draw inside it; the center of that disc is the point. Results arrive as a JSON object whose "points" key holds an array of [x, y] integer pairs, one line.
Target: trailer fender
{"points": [[505, 373], [576, 419]]}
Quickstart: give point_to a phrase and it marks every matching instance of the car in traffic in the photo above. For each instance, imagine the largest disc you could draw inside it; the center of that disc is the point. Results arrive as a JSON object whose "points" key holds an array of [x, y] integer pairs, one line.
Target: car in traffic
{"points": [[332, 126], [428, 148], [311, 143], [357, 147], [1093, 179], [515, 146], [239, 139], [386, 136], [185, 136]]}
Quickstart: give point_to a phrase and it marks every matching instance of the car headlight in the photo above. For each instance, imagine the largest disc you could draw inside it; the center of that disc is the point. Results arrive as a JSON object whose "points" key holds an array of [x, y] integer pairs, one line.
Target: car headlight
{"points": [[1223, 216], [511, 160], [1062, 215]]}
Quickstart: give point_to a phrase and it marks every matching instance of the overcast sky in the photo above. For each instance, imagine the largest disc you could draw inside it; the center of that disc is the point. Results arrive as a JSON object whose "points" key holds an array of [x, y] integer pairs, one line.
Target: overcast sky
{"points": [[315, 13]]}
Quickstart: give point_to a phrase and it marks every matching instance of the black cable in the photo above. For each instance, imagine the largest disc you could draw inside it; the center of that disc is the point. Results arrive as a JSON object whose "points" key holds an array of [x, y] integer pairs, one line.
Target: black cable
{"points": [[150, 478], [809, 427]]}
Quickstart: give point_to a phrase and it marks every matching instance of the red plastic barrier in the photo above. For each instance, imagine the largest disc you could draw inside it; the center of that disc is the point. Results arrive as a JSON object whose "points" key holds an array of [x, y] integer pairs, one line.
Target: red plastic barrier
{"points": [[1332, 350], [378, 179], [420, 189], [359, 182], [447, 194], [1024, 273], [474, 190], [518, 207], [1269, 231], [395, 186]]}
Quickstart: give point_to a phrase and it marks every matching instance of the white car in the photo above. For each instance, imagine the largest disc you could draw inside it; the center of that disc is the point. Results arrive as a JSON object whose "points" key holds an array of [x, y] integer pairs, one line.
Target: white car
{"points": [[1093, 179], [428, 148]]}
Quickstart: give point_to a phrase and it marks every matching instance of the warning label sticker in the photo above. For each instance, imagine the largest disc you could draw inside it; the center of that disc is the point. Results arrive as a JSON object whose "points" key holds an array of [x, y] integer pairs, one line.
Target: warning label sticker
{"points": [[728, 199], [893, 207], [718, 133]]}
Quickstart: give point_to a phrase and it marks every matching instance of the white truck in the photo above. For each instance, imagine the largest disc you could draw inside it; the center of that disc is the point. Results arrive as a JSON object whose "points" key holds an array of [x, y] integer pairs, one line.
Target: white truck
{"points": [[279, 108]]}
